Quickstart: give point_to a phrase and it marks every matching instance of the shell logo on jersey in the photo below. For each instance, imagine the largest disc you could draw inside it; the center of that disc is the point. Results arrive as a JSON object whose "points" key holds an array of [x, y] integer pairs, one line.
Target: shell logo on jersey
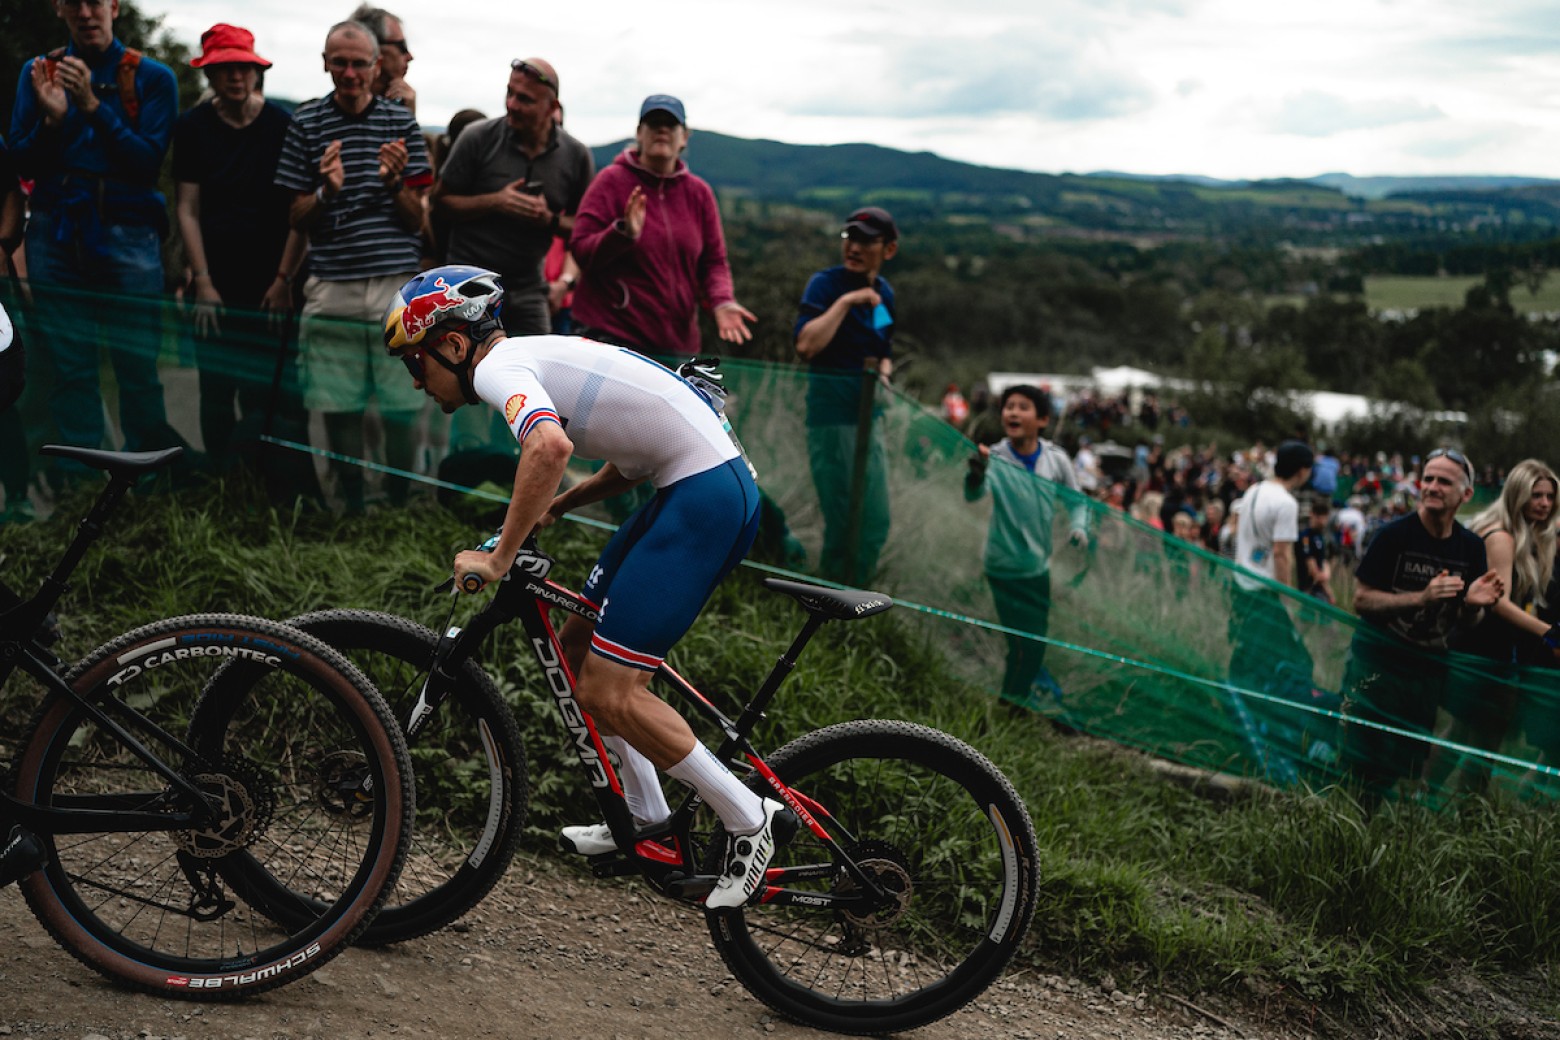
{"points": [[512, 408]]}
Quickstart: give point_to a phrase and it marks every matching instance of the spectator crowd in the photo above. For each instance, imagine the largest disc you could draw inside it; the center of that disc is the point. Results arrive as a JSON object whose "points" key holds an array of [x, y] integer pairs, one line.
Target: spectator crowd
{"points": [[308, 221], [298, 229]]}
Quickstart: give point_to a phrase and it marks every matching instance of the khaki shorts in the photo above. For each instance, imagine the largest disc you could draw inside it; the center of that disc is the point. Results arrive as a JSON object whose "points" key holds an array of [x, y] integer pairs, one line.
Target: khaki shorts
{"points": [[341, 347]]}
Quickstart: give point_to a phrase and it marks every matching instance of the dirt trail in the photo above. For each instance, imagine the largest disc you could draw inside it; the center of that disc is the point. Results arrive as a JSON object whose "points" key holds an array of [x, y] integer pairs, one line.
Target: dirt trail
{"points": [[550, 954]]}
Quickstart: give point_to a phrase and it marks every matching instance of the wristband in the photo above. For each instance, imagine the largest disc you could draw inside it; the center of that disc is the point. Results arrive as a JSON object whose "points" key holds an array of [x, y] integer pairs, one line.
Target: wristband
{"points": [[1552, 637], [284, 277], [553, 223], [319, 195]]}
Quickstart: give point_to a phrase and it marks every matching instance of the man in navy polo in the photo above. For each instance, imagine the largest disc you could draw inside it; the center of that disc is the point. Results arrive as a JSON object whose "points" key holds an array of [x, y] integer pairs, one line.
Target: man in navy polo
{"points": [[845, 331]]}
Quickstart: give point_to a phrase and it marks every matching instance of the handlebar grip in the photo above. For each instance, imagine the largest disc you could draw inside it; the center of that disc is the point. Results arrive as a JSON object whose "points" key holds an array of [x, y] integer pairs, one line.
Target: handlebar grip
{"points": [[471, 583]]}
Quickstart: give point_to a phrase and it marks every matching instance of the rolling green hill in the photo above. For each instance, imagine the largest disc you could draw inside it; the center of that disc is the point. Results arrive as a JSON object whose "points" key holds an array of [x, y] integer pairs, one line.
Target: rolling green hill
{"points": [[1025, 205]]}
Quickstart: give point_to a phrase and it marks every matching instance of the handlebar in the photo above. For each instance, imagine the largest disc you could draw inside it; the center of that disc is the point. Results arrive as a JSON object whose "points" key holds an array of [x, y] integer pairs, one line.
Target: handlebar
{"points": [[529, 561]]}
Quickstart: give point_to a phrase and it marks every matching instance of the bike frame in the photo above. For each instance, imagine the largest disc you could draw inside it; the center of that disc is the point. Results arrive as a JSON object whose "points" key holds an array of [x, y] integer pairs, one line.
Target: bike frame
{"points": [[19, 622], [527, 595]]}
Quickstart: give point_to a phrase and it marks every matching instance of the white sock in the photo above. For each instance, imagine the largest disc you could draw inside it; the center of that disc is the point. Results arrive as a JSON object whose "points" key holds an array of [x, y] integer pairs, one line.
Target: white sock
{"points": [[739, 809], [641, 787]]}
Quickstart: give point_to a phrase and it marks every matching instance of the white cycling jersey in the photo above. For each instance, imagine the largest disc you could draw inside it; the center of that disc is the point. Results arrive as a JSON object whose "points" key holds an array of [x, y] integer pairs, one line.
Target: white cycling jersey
{"points": [[614, 404]]}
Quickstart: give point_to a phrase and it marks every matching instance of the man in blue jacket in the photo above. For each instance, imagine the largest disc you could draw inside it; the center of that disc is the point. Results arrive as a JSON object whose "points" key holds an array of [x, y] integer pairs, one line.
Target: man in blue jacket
{"points": [[90, 126]]}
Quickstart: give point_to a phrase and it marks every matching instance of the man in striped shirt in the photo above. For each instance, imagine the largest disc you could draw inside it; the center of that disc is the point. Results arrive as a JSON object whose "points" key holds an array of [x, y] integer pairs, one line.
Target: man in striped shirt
{"points": [[360, 168]]}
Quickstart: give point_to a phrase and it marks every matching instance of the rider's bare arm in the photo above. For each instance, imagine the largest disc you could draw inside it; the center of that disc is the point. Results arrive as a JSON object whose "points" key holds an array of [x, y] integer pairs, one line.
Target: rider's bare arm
{"points": [[604, 483], [543, 460]]}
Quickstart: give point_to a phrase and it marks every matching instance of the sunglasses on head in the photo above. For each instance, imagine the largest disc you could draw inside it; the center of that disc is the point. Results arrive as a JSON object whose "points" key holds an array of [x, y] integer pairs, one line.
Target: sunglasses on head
{"points": [[521, 65], [1456, 456]]}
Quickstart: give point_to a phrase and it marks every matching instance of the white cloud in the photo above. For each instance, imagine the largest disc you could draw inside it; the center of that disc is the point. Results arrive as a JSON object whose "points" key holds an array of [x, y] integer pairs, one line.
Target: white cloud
{"points": [[1315, 114], [1224, 87]]}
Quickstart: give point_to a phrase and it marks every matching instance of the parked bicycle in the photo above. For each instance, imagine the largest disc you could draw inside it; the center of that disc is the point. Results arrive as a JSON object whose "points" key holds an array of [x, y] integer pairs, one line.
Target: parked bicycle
{"points": [[207, 806], [906, 892]]}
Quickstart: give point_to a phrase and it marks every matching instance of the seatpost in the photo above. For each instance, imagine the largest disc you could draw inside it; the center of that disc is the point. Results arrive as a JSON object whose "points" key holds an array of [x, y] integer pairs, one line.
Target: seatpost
{"points": [[777, 675], [87, 532]]}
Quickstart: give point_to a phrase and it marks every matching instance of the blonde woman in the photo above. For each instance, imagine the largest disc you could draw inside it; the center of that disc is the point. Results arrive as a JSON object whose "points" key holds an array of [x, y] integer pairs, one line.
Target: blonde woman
{"points": [[1519, 540]]}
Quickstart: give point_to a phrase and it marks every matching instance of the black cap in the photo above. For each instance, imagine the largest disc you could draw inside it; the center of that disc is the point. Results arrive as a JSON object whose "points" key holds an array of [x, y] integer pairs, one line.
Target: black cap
{"points": [[872, 222], [1291, 458]]}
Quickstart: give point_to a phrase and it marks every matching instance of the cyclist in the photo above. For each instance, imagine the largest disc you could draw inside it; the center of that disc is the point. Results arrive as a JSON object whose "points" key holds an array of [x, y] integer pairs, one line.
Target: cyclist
{"points": [[565, 396]]}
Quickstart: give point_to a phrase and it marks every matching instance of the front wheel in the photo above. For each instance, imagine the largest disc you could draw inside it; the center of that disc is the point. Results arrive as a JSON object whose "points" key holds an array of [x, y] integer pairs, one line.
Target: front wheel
{"points": [[940, 829], [470, 766]]}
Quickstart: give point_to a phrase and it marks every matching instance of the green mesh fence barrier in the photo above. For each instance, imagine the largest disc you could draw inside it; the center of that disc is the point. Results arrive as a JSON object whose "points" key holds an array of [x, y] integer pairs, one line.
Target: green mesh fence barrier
{"points": [[1133, 635]]}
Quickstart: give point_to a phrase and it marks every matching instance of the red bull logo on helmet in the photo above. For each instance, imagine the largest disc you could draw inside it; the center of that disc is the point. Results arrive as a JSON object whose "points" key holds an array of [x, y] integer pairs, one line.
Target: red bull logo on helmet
{"points": [[423, 311]]}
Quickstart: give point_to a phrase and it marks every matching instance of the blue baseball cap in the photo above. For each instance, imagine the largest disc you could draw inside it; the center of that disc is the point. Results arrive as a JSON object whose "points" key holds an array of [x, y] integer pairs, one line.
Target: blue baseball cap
{"points": [[663, 103]]}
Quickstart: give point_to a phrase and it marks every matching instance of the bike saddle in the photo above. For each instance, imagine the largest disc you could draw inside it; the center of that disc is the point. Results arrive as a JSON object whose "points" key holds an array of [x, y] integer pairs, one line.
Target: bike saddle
{"points": [[115, 463], [834, 604]]}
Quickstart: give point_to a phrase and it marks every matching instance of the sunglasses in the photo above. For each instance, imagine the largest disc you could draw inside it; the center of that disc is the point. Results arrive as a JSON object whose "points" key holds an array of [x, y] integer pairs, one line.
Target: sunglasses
{"points": [[1456, 456], [413, 360], [416, 364], [521, 65], [399, 45]]}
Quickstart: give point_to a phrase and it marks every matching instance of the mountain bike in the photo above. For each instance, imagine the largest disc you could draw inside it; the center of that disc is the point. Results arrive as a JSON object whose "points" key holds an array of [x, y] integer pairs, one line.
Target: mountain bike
{"points": [[908, 888], [207, 806]]}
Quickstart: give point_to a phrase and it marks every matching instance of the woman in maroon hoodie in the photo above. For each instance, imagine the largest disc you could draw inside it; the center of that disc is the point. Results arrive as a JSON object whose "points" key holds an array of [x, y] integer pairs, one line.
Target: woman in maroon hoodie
{"points": [[650, 248]]}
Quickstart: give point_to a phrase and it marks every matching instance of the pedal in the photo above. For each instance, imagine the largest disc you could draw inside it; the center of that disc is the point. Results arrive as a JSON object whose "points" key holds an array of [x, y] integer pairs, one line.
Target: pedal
{"points": [[612, 864], [23, 854], [695, 886]]}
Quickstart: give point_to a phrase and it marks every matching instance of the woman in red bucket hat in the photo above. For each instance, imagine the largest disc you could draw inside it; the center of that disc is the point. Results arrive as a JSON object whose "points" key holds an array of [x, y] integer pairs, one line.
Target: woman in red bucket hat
{"points": [[242, 258]]}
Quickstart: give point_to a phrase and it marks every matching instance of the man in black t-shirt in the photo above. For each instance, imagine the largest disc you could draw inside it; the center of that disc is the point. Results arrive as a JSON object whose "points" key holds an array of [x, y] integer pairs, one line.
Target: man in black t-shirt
{"points": [[1423, 580]]}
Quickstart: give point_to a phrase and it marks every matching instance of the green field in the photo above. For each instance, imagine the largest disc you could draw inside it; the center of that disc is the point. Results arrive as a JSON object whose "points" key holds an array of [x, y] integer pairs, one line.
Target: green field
{"points": [[1401, 292]]}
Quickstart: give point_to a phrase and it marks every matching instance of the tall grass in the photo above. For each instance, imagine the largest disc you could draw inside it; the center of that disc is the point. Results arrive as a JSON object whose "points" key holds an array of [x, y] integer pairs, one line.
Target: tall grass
{"points": [[1142, 878]]}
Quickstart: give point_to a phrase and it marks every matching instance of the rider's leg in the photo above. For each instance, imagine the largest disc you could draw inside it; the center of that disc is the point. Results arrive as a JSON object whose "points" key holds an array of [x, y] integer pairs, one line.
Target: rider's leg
{"points": [[619, 698], [641, 787]]}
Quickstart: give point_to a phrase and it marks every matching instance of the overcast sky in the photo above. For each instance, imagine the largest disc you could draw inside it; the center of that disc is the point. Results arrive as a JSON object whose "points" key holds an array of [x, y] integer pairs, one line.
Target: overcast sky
{"points": [[1227, 88]]}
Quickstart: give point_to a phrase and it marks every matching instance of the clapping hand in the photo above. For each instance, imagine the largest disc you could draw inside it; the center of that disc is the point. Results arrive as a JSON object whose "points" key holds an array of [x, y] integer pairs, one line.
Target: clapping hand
{"points": [[50, 90], [393, 158], [634, 213], [1443, 586], [332, 170], [1486, 590]]}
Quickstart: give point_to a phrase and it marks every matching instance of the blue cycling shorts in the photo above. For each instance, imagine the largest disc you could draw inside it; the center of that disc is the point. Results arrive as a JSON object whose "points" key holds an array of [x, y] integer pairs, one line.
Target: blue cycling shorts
{"points": [[662, 565]]}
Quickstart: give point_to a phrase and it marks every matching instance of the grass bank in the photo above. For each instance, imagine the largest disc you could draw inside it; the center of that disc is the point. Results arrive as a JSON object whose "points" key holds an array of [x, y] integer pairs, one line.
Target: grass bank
{"points": [[1145, 880]]}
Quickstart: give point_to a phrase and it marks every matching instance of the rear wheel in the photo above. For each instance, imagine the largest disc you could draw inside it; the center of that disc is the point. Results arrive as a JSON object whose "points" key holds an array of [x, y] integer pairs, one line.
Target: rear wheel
{"points": [[943, 833], [306, 778]]}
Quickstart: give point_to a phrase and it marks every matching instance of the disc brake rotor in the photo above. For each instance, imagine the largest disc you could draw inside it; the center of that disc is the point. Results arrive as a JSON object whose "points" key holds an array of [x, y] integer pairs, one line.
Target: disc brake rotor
{"points": [[243, 805], [889, 867]]}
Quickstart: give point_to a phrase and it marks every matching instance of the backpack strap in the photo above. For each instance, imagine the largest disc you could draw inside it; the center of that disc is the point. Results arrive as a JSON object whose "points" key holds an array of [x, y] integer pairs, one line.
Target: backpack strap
{"points": [[129, 62]]}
